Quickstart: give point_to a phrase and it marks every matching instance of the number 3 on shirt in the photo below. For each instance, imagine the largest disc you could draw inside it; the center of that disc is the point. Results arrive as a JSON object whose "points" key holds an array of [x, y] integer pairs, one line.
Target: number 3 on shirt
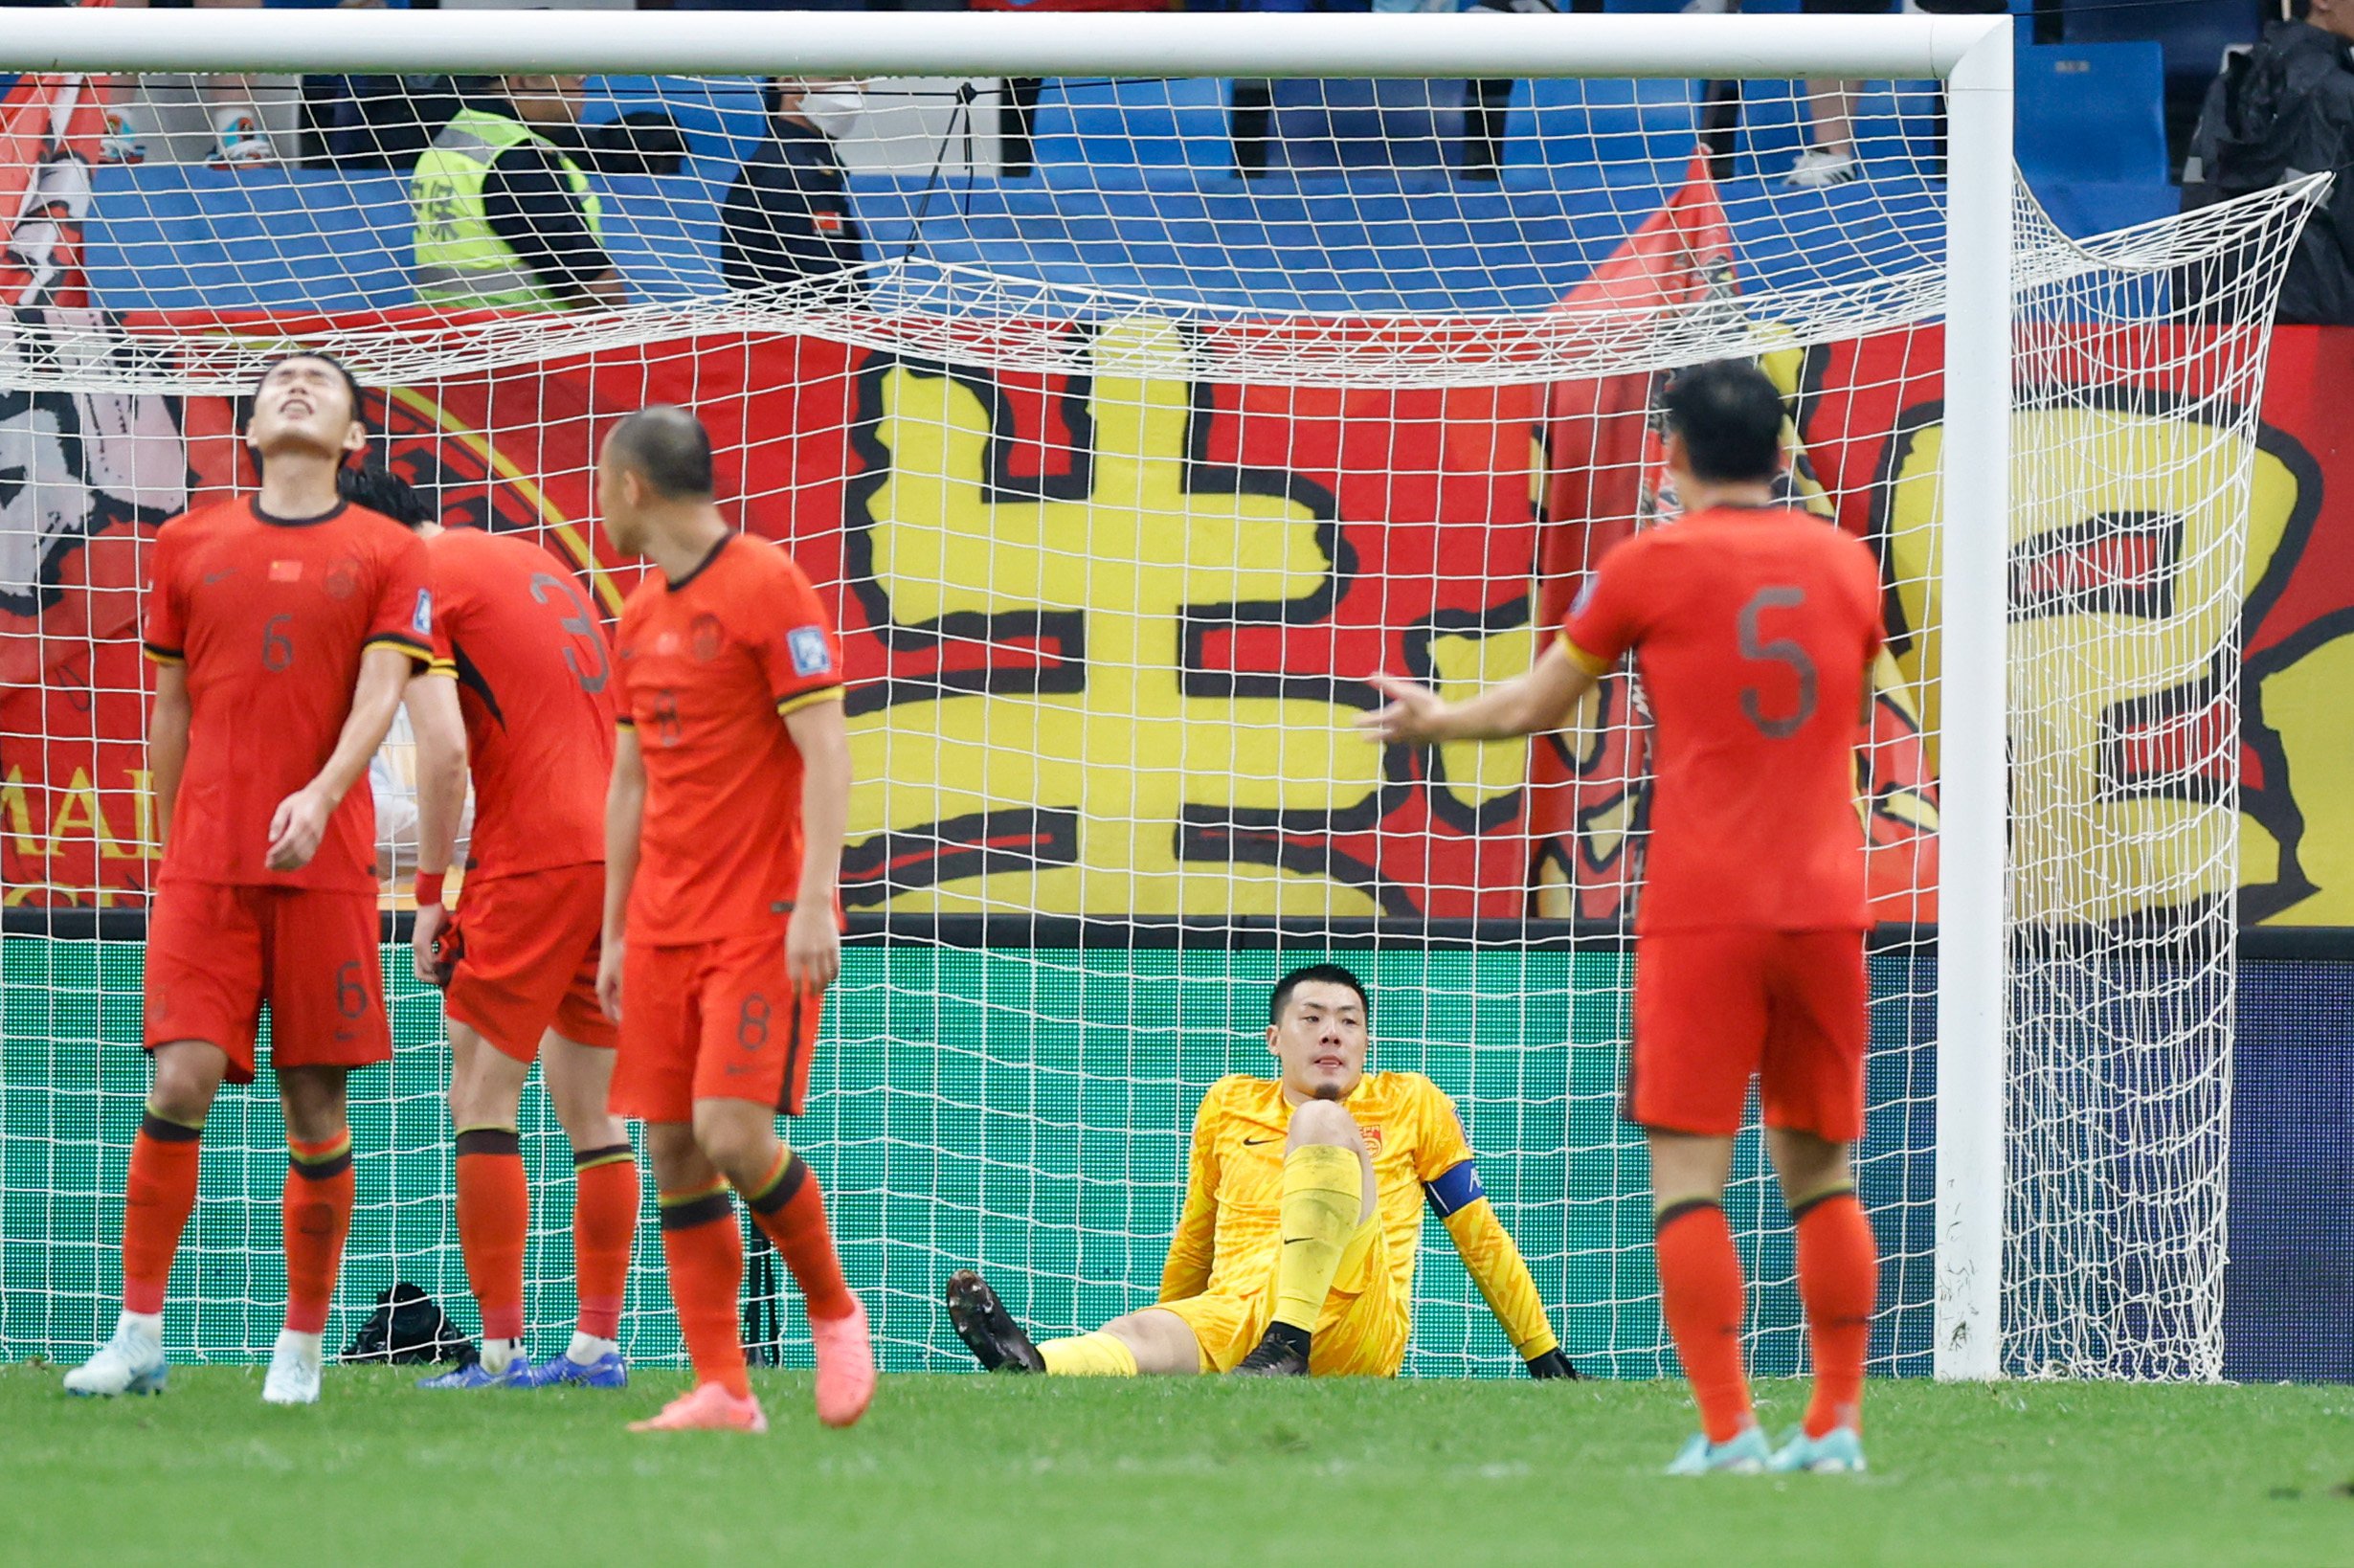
{"points": [[1781, 650], [582, 628]]}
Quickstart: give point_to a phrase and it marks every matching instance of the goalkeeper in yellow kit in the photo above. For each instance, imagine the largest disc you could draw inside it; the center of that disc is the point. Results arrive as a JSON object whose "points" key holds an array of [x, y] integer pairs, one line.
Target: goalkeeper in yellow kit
{"points": [[1295, 1250]]}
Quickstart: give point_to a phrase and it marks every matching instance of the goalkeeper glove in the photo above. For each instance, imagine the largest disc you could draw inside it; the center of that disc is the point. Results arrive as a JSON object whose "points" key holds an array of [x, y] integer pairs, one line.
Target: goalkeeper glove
{"points": [[1552, 1364]]}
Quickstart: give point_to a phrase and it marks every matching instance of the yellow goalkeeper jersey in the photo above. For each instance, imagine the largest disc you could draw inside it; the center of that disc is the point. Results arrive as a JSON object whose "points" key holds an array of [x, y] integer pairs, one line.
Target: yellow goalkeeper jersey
{"points": [[1229, 1235]]}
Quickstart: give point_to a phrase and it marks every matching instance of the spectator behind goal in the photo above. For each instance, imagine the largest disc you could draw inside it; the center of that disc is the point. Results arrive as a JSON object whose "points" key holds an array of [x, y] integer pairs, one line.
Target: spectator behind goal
{"points": [[504, 217], [2279, 110], [787, 217]]}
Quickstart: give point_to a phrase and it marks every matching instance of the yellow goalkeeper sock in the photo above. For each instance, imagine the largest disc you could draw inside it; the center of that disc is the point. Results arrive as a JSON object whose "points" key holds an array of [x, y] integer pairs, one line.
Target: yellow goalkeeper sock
{"points": [[1089, 1356], [1323, 1192]]}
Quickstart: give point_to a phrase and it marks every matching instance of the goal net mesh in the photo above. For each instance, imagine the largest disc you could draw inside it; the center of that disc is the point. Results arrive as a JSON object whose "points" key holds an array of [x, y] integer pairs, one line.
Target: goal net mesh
{"points": [[1128, 425]]}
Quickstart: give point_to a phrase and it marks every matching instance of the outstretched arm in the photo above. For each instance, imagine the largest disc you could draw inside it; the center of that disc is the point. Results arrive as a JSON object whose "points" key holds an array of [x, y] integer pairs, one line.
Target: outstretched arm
{"points": [[1187, 1271], [440, 730], [1540, 700], [1496, 1266]]}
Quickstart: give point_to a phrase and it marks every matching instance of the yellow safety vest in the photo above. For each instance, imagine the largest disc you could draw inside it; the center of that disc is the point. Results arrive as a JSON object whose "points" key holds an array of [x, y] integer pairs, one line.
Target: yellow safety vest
{"points": [[460, 260]]}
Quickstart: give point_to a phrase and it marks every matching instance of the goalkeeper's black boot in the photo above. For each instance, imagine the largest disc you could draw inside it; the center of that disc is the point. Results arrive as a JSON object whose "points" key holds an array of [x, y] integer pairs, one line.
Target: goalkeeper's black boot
{"points": [[987, 1329], [1282, 1352]]}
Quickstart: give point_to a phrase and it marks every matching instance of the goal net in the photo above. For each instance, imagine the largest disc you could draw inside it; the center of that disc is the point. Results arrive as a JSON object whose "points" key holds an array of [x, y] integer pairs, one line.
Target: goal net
{"points": [[1128, 422]]}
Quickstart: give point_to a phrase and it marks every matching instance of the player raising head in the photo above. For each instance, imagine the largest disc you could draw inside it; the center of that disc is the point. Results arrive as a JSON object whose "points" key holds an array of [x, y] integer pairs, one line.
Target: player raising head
{"points": [[526, 697], [1303, 1207], [723, 832], [1754, 627], [284, 627]]}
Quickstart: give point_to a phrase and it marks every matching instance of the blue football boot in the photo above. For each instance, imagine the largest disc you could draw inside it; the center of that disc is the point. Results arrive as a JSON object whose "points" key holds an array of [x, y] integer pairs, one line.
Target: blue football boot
{"points": [[1839, 1451], [473, 1374], [561, 1371], [1744, 1454]]}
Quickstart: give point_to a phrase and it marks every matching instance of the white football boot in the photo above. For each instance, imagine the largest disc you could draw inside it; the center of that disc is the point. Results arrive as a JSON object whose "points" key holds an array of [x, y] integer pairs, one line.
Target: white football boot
{"points": [[294, 1370], [132, 1362]]}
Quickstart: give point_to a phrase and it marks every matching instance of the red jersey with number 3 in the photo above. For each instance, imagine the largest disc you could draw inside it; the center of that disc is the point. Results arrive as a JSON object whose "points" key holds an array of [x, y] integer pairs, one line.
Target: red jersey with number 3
{"points": [[270, 616], [709, 667], [1752, 631], [535, 682]]}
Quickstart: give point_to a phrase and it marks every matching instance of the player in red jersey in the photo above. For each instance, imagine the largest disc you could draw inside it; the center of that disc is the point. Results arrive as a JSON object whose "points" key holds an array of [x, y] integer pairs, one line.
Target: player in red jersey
{"points": [[1753, 628], [526, 697], [284, 627], [724, 834]]}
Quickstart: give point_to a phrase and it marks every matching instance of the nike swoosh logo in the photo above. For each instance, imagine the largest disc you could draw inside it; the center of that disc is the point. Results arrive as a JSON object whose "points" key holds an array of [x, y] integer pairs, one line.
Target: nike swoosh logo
{"points": [[1253, 1143], [216, 576]]}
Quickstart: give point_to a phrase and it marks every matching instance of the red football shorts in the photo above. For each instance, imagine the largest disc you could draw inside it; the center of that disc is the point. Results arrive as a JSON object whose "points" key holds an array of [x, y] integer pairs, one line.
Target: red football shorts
{"points": [[712, 1020], [526, 947], [216, 954], [1715, 1007]]}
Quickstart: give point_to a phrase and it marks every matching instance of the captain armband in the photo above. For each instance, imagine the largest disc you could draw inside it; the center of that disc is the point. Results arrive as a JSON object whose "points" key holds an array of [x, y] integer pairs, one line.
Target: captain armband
{"points": [[1454, 1188]]}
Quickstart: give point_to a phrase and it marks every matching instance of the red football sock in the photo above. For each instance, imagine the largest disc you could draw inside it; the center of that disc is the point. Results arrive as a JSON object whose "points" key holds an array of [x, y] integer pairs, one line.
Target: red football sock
{"points": [[317, 1206], [157, 1195], [494, 1220], [789, 1207], [1839, 1281], [604, 1224], [705, 1251], [1701, 1292]]}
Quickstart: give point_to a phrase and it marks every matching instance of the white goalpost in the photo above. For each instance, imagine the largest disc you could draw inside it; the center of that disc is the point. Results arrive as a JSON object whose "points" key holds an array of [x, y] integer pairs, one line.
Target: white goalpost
{"points": [[1125, 456]]}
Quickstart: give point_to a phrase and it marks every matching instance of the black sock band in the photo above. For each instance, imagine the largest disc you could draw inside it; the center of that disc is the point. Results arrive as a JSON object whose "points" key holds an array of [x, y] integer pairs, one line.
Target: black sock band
{"points": [[152, 1125], [690, 1210], [614, 1153], [1675, 1211], [1807, 1205], [488, 1140], [780, 1192]]}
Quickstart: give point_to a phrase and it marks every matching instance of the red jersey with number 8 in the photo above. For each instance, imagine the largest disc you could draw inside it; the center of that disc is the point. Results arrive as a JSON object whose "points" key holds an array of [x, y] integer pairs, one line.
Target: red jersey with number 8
{"points": [[535, 682], [270, 616], [710, 666], [1752, 631]]}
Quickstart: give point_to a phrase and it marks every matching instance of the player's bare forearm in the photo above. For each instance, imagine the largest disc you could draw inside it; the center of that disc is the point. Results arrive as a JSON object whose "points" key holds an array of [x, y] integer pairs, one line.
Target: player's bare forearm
{"points": [[823, 737], [375, 697], [440, 731], [625, 804], [812, 941], [168, 745], [1495, 1265], [1526, 705]]}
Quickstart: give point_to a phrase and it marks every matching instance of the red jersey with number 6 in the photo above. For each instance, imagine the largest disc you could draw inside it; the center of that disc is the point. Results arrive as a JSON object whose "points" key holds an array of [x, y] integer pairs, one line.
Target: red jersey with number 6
{"points": [[270, 616], [710, 665], [536, 686], [1753, 631]]}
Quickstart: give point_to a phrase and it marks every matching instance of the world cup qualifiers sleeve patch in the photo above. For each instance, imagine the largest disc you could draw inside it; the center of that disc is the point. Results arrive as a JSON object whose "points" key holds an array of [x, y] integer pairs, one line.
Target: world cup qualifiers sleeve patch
{"points": [[813, 654], [422, 622]]}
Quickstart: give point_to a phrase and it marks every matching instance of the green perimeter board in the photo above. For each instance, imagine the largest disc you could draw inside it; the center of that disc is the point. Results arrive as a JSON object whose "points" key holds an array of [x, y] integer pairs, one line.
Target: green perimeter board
{"points": [[1025, 1111]]}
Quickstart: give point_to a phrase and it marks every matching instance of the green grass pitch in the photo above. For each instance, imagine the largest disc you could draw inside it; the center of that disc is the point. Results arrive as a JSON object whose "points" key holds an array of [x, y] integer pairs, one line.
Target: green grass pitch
{"points": [[978, 1472]]}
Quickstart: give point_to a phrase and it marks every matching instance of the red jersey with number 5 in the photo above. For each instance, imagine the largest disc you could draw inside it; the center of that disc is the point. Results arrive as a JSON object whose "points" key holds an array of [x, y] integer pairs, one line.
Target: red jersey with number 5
{"points": [[535, 683], [270, 616], [710, 665], [1753, 631]]}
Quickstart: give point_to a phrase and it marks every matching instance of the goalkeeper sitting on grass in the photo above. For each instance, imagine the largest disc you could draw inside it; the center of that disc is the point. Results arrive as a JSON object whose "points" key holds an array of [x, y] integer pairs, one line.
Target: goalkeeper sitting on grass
{"points": [[1295, 1252]]}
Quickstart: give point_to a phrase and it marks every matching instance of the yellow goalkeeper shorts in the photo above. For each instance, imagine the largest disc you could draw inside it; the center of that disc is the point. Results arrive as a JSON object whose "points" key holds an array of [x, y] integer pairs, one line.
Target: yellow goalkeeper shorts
{"points": [[1361, 1332]]}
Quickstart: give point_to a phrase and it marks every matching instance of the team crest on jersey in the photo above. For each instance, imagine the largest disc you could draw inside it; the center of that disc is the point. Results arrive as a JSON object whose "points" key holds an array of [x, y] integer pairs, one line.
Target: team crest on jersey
{"points": [[343, 579], [422, 622], [707, 637], [811, 652], [1372, 1138]]}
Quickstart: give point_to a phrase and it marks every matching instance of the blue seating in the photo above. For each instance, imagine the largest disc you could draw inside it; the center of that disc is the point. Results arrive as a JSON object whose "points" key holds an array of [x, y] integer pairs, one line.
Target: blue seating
{"points": [[1568, 132], [1123, 131], [2092, 112]]}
